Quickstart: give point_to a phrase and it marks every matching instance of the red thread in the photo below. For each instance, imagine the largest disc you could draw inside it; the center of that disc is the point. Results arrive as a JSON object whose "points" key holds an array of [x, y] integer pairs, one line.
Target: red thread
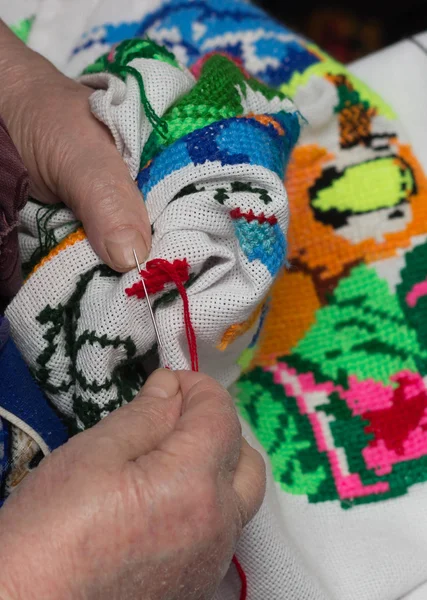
{"points": [[250, 216], [243, 580], [156, 278], [161, 272]]}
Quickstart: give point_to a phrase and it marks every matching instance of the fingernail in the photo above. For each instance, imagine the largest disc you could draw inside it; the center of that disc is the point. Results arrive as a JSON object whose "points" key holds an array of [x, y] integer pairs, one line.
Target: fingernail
{"points": [[161, 384], [120, 245]]}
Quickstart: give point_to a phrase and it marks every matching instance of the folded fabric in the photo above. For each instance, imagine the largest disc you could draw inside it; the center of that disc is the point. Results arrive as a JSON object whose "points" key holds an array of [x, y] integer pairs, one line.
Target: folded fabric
{"points": [[209, 156]]}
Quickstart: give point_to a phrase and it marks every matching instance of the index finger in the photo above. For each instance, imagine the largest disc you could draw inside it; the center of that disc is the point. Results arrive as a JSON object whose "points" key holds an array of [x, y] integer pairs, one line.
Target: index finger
{"points": [[208, 432]]}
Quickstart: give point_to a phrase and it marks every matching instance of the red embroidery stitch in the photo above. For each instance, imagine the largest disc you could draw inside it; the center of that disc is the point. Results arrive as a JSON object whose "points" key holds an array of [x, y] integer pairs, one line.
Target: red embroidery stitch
{"points": [[156, 278], [170, 273], [250, 216]]}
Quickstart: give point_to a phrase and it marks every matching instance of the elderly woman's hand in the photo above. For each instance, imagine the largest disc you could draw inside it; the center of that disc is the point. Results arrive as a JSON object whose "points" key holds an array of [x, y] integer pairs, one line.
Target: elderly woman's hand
{"points": [[147, 504], [70, 155]]}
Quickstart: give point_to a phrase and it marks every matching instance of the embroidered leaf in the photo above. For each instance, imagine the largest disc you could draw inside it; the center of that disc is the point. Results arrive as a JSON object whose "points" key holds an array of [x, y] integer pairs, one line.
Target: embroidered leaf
{"points": [[126, 378], [285, 434], [362, 332]]}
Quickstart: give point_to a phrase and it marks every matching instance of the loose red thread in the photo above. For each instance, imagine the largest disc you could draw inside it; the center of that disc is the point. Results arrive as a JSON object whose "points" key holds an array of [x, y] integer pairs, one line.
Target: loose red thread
{"points": [[243, 580], [250, 216], [172, 273], [158, 273], [156, 278]]}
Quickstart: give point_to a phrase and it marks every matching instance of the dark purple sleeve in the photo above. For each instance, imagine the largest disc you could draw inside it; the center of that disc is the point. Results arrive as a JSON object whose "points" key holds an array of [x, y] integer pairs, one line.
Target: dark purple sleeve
{"points": [[13, 196]]}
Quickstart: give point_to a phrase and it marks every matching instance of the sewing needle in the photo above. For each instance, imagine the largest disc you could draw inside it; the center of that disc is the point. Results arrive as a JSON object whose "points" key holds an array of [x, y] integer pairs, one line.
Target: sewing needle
{"points": [[153, 319]]}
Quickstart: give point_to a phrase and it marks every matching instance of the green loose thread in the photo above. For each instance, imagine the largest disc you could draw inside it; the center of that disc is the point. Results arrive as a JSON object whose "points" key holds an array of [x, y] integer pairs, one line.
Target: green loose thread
{"points": [[47, 239], [157, 122], [45, 235]]}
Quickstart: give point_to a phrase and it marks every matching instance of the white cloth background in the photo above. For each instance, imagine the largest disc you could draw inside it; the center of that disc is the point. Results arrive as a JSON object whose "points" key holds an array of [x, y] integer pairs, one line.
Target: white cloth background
{"points": [[399, 75]]}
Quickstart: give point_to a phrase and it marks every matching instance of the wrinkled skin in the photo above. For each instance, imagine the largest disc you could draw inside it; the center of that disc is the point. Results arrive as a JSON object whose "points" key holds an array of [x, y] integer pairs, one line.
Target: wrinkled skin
{"points": [[71, 156], [148, 504]]}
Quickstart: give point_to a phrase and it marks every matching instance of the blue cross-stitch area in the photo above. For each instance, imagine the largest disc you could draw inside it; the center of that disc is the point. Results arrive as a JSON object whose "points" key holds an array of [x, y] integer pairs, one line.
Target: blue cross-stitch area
{"points": [[229, 142], [237, 28], [264, 242]]}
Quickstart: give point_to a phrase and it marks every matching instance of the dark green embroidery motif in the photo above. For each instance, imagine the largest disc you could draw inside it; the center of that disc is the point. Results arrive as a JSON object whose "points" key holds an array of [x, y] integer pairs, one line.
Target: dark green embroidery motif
{"points": [[45, 234], [222, 194], [127, 377], [187, 190]]}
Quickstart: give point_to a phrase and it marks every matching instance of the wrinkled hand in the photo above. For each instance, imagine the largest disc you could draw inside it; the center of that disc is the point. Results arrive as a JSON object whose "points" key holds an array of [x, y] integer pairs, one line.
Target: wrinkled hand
{"points": [[69, 154], [148, 504]]}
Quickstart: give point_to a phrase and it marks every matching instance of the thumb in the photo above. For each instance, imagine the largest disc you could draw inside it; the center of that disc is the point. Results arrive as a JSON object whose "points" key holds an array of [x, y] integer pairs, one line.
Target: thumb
{"points": [[91, 177], [139, 427], [110, 206]]}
